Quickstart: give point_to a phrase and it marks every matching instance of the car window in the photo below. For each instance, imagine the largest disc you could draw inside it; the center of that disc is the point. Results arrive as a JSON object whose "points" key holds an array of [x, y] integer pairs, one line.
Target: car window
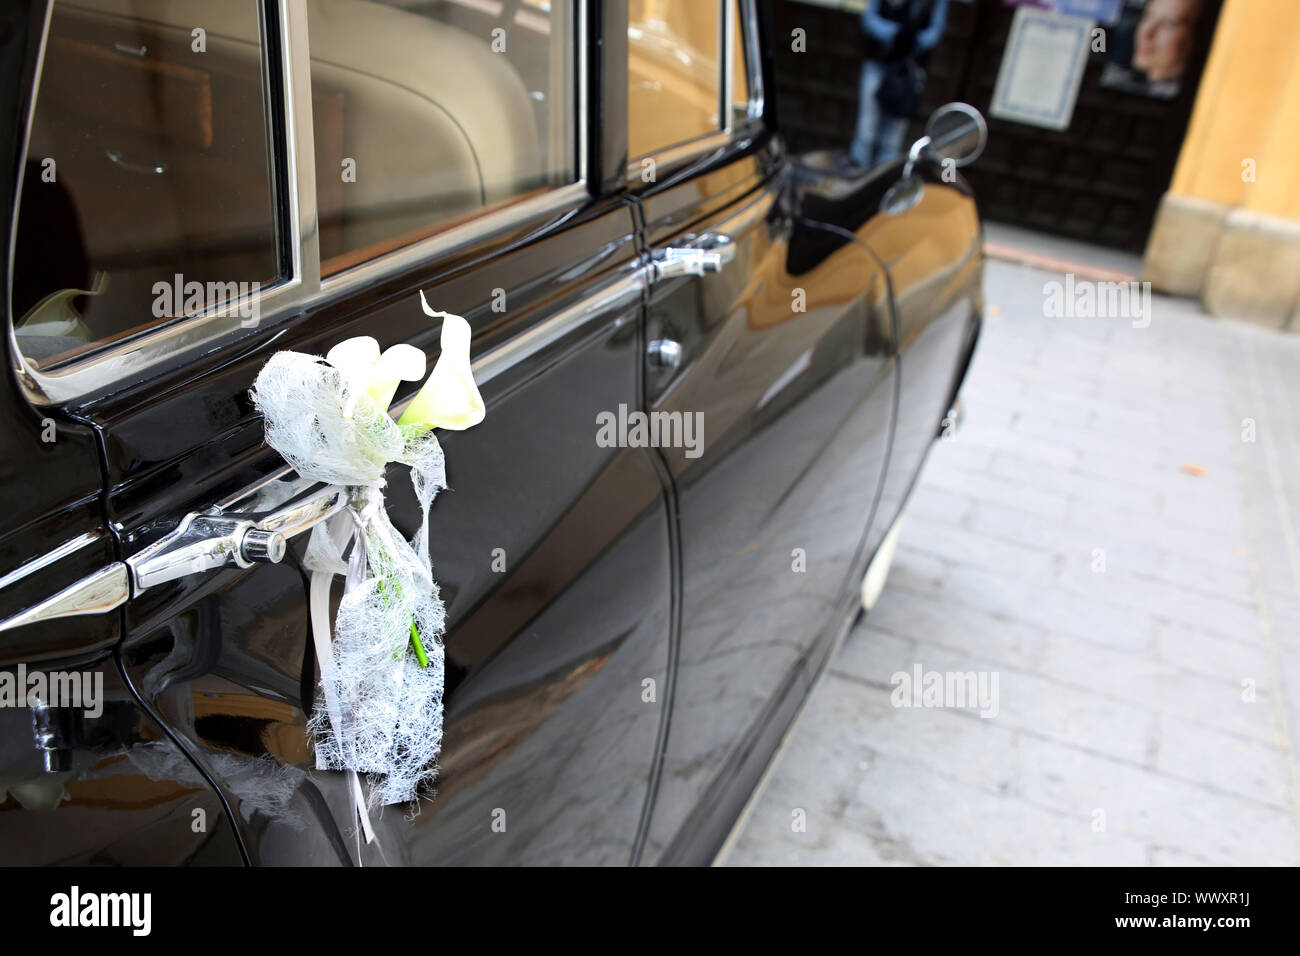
{"points": [[429, 112], [148, 191], [674, 74]]}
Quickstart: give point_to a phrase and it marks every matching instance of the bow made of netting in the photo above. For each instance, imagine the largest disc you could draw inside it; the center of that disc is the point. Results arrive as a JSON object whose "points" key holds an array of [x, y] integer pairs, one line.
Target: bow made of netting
{"points": [[381, 662]]}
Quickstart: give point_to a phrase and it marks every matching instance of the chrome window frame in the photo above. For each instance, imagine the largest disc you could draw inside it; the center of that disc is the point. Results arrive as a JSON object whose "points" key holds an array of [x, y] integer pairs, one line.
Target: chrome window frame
{"points": [[129, 360], [679, 154], [753, 58]]}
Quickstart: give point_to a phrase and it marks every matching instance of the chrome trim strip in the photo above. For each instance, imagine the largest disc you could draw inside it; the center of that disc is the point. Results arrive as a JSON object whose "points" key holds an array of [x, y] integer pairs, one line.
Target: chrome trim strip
{"points": [[753, 62], [99, 593], [71, 546], [132, 358], [528, 343], [584, 91], [728, 58], [299, 146]]}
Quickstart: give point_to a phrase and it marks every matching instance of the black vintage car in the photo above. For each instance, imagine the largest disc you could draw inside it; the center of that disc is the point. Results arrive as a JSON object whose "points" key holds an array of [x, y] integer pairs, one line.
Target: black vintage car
{"points": [[601, 189]]}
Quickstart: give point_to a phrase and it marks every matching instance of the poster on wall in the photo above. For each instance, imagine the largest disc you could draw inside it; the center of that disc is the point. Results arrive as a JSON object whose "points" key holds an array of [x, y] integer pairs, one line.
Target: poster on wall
{"points": [[1042, 67], [1151, 46]]}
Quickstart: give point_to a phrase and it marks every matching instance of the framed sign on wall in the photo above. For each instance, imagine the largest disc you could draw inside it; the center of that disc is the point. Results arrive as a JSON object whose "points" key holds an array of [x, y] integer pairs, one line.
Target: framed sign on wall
{"points": [[1042, 67]]}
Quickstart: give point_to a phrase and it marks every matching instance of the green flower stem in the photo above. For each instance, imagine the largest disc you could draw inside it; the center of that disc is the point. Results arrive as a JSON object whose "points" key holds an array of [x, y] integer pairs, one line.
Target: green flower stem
{"points": [[416, 644], [420, 655]]}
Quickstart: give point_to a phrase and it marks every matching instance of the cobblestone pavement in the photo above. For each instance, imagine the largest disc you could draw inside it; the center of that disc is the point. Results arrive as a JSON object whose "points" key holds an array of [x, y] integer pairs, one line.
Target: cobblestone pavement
{"points": [[1103, 536]]}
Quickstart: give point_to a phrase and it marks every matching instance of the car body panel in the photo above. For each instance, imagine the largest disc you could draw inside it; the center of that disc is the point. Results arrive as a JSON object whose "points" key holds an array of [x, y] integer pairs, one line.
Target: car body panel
{"points": [[787, 361]]}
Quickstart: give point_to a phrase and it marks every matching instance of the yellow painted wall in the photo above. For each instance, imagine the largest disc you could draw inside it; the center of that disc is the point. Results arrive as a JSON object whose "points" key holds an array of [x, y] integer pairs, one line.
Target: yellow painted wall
{"points": [[1248, 107]]}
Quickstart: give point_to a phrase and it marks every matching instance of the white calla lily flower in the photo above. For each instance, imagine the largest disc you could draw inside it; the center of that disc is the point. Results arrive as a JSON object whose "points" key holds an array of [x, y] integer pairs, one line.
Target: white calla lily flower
{"points": [[450, 398], [399, 363], [359, 361]]}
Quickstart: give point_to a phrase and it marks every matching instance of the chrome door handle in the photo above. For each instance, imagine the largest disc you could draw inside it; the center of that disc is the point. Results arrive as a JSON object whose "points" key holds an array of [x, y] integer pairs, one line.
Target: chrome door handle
{"points": [[702, 255], [203, 541], [206, 541]]}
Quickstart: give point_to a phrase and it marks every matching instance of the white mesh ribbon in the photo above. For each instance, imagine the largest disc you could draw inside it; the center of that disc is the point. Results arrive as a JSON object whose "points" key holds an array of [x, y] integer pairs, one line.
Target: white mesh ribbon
{"points": [[382, 710]]}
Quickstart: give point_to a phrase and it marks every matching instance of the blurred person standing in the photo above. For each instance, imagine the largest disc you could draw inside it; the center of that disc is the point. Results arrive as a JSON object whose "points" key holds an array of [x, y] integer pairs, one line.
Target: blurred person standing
{"points": [[899, 35]]}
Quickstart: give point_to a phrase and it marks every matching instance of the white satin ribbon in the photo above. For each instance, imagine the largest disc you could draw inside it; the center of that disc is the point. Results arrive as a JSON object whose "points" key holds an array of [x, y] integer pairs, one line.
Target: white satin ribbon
{"points": [[348, 523]]}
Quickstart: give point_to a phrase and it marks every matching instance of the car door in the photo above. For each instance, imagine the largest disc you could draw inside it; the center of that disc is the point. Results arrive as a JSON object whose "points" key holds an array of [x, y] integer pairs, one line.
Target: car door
{"points": [[87, 775], [933, 250], [446, 152], [771, 335]]}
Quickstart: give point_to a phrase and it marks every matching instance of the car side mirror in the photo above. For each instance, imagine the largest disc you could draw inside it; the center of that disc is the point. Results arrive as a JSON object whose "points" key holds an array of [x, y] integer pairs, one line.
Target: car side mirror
{"points": [[957, 134], [954, 134]]}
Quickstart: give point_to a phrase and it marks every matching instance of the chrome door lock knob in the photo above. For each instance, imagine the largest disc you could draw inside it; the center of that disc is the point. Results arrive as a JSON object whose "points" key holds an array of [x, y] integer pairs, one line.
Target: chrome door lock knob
{"points": [[263, 547], [665, 353]]}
